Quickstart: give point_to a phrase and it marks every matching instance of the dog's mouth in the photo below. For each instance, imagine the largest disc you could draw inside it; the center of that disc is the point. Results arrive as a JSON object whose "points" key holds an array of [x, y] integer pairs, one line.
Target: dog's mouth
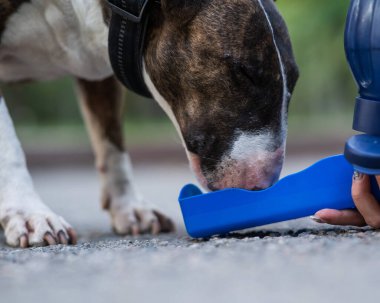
{"points": [[255, 173]]}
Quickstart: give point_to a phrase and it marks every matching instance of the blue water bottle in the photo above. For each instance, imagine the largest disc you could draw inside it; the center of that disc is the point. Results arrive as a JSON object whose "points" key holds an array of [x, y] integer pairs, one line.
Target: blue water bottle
{"points": [[362, 44]]}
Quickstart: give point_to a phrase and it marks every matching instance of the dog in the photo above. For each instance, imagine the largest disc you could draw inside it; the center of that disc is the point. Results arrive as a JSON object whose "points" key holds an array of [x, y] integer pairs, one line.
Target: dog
{"points": [[223, 70]]}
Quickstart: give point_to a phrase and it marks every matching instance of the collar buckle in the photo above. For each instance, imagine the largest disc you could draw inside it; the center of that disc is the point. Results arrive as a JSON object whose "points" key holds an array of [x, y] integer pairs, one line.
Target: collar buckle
{"points": [[127, 14]]}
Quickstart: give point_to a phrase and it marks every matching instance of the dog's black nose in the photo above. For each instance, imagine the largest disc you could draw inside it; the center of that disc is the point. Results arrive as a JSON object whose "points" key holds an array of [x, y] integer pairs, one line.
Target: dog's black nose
{"points": [[257, 188]]}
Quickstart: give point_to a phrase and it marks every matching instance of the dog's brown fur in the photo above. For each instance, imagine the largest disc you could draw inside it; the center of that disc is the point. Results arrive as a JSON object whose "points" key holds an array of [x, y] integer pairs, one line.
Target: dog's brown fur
{"points": [[104, 101], [106, 11], [225, 80], [101, 103]]}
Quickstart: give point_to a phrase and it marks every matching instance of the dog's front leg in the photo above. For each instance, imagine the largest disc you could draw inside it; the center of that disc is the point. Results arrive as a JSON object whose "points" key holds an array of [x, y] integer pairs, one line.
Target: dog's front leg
{"points": [[101, 104], [26, 220]]}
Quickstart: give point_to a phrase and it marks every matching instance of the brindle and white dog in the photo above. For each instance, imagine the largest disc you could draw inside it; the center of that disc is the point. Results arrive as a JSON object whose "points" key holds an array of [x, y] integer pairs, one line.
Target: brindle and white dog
{"points": [[223, 70]]}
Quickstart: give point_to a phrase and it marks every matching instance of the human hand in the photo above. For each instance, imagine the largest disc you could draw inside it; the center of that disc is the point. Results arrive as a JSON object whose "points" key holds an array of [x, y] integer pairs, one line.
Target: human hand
{"points": [[367, 210]]}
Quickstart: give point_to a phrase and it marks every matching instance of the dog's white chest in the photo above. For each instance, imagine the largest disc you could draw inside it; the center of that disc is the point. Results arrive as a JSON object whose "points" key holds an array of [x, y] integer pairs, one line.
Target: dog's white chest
{"points": [[46, 39]]}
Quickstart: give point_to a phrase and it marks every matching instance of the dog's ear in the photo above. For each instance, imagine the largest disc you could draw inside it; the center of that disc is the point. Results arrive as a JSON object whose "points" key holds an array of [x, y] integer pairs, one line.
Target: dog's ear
{"points": [[181, 11]]}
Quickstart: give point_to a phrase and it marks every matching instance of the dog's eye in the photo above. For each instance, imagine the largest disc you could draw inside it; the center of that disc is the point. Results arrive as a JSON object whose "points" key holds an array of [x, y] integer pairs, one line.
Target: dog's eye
{"points": [[255, 75]]}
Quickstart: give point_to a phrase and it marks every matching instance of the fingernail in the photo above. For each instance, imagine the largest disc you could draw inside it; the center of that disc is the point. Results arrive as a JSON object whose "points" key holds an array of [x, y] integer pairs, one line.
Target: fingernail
{"points": [[358, 176], [316, 219]]}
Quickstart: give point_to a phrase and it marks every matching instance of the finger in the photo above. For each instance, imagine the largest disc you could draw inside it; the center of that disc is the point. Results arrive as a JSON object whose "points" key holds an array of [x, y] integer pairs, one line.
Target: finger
{"points": [[343, 217], [365, 202], [378, 180]]}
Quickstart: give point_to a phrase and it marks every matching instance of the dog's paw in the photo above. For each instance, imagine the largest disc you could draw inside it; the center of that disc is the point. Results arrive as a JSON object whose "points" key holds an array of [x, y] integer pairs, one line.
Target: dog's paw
{"points": [[136, 220], [39, 227]]}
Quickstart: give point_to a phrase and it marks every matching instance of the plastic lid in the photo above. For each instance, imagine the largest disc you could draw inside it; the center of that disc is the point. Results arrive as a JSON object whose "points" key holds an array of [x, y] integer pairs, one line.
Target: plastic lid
{"points": [[363, 151]]}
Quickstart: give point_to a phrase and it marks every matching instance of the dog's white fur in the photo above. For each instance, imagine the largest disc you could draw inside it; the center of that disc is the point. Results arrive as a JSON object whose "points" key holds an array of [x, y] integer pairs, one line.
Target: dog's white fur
{"points": [[43, 40], [46, 39], [19, 202], [285, 92], [247, 145]]}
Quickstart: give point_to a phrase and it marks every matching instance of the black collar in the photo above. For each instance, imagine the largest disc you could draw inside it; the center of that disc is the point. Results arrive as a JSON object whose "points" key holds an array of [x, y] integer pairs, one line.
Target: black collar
{"points": [[126, 40]]}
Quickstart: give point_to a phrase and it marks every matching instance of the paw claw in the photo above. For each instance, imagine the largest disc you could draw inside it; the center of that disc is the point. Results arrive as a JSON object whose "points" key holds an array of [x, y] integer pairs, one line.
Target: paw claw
{"points": [[167, 225], [62, 238], [138, 220], [24, 242], [37, 228], [50, 239], [73, 238], [135, 230], [155, 228]]}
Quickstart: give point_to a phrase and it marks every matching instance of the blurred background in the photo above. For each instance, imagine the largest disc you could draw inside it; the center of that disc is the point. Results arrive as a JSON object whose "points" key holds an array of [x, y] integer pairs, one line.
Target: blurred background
{"points": [[49, 123], [289, 267]]}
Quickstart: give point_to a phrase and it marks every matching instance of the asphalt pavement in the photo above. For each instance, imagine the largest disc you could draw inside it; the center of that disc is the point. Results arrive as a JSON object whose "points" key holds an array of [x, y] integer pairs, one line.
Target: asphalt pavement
{"points": [[297, 261]]}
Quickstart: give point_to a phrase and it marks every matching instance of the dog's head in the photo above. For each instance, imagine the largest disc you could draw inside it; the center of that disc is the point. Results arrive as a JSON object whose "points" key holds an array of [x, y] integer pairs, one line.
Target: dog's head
{"points": [[224, 71]]}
